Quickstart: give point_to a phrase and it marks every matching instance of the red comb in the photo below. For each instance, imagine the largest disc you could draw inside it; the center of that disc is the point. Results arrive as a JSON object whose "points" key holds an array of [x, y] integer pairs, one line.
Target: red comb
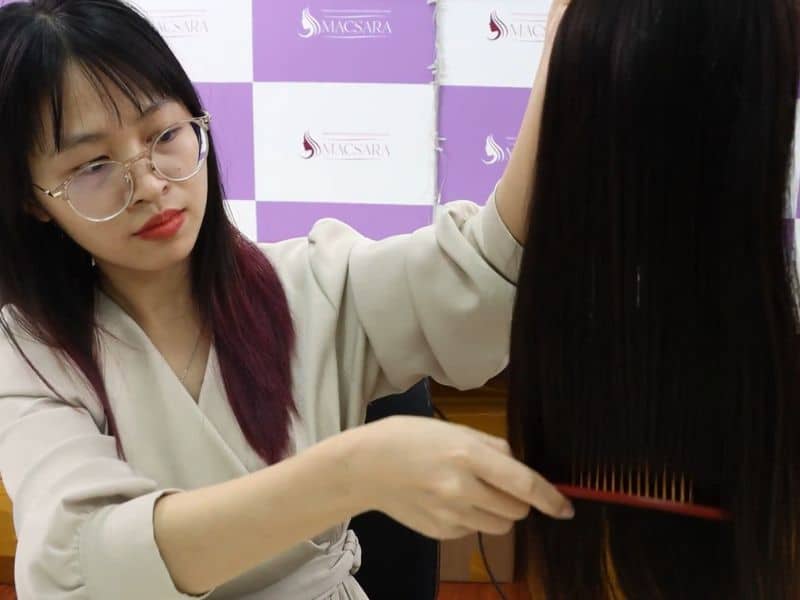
{"points": [[688, 509], [640, 486]]}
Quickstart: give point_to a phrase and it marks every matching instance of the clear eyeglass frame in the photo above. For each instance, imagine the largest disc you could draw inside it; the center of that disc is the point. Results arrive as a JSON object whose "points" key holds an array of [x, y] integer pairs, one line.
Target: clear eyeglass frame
{"points": [[62, 190]]}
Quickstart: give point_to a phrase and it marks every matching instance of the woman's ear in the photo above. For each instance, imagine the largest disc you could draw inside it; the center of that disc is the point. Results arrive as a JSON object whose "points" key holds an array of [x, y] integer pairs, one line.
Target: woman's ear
{"points": [[37, 211]]}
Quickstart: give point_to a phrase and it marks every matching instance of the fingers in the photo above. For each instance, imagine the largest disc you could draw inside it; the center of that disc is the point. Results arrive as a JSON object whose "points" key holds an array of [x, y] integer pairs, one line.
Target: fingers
{"points": [[440, 529], [498, 443], [476, 519], [459, 532], [517, 480], [491, 500]]}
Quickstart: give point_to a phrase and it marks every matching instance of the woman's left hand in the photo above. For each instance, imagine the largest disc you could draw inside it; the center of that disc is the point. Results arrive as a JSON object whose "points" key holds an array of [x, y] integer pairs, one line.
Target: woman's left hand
{"points": [[515, 190]]}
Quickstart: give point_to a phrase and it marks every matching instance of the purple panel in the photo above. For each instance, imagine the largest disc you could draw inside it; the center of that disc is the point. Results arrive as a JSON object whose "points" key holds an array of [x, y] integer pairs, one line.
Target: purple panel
{"points": [[364, 41], [231, 108], [479, 126], [283, 220]]}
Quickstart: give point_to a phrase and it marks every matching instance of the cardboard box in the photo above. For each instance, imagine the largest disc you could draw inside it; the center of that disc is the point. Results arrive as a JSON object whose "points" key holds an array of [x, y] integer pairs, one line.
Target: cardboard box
{"points": [[8, 541], [461, 559]]}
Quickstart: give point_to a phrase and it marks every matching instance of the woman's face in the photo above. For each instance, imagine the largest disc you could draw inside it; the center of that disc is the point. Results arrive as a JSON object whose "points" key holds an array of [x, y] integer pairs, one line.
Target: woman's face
{"points": [[120, 243]]}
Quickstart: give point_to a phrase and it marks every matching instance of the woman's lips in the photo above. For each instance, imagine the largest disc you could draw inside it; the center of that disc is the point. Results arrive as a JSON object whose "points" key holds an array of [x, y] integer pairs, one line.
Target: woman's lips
{"points": [[163, 226]]}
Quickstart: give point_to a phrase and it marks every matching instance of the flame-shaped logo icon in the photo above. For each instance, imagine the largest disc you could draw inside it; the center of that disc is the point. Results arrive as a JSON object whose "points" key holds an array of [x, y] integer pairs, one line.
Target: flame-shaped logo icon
{"points": [[494, 153], [310, 146], [498, 29], [311, 26]]}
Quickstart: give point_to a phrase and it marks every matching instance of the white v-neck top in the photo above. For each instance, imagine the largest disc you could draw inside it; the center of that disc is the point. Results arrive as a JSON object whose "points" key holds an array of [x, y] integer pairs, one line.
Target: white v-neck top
{"points": [[371, 318]]}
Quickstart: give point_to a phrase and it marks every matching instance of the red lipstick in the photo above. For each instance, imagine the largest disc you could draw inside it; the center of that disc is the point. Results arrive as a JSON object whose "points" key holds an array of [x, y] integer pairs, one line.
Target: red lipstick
{"points": [[162, 226]]}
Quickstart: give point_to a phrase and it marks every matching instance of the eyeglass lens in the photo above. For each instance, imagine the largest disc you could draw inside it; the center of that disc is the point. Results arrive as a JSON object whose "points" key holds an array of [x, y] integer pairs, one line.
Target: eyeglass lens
{"points": [[103, 190]]}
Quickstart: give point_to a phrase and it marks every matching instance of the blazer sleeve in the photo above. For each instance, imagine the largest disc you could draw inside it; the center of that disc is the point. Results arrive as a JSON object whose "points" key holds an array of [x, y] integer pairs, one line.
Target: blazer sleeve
{"points": [[438, 302], [83, 518], [434, 303]]}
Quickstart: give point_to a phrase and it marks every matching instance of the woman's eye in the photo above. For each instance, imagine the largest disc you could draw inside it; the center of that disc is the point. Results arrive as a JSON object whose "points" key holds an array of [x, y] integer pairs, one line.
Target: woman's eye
{"points": [[88, 163], [168, 135], [96, 168]]}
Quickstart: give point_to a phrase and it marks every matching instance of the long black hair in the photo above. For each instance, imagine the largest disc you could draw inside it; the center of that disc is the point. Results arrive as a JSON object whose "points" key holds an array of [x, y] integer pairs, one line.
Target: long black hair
{"points": [[48, 280], [656, 320]]}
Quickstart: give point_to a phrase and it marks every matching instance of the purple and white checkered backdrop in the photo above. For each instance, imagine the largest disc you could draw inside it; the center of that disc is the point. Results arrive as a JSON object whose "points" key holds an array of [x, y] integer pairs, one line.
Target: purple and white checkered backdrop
{"points": [[370, 111]]}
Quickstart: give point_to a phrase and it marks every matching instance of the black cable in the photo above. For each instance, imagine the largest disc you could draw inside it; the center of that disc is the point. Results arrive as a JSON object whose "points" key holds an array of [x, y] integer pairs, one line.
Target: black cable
{"points": [[438, 412], [496, 585]]}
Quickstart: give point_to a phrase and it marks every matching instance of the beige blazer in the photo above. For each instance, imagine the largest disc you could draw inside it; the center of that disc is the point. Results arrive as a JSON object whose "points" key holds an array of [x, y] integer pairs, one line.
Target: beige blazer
{"points": [[372, 318]]}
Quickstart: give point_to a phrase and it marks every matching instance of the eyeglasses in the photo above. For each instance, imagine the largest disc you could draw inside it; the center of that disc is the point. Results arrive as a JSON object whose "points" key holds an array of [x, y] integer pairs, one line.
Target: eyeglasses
{"points": [[102, 190]]}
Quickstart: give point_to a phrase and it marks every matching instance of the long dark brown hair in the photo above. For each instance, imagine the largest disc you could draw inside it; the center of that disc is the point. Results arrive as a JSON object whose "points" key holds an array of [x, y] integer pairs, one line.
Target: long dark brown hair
{"points": [[656, 319], [48, 280]]}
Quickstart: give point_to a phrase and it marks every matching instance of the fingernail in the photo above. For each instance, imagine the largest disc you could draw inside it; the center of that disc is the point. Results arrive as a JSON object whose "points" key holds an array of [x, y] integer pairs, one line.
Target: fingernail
{"points": [[567, 511]]}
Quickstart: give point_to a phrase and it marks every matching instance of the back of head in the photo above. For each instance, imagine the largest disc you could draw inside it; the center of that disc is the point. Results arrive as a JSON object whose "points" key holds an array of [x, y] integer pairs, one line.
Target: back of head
{"points": [[656, 315]]}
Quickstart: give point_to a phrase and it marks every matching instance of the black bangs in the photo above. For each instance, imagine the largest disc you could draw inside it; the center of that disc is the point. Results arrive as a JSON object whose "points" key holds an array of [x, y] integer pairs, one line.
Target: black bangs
{"points": [[134, 59]]}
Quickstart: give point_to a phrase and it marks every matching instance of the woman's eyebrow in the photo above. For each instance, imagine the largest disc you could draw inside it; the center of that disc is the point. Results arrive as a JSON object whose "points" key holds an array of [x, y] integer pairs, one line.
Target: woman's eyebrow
{"points": [[76, 139]]}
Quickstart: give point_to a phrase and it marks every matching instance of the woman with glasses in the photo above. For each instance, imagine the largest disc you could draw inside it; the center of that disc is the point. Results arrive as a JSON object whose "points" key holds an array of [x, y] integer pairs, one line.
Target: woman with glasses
{"points": [[181, 410]]}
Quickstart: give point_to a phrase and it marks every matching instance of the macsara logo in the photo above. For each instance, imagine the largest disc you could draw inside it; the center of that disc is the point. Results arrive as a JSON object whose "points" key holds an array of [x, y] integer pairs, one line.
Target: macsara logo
{"points": [[518, 26], [346, 23], [181, 23], [346, 146], [496, 153]]}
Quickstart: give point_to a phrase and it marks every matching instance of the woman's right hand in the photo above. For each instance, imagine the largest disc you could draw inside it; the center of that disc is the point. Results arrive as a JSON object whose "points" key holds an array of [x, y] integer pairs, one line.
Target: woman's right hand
{"points": [[445, 480]]}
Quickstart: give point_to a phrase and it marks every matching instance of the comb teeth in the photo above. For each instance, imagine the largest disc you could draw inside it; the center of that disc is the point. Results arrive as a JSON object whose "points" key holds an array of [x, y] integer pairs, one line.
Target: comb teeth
{"points": [[642, 481]]}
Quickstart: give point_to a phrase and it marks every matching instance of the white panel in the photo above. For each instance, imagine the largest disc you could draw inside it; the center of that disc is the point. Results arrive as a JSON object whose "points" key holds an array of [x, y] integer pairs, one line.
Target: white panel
{"points": [[359, 143], [212, 39], [243, 214], [497, 43]]}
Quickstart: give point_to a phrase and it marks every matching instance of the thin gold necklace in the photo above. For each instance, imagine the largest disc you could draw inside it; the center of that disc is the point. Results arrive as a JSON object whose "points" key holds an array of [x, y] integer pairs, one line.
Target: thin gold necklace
{"points": [[191, 358], [182, 379]]}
